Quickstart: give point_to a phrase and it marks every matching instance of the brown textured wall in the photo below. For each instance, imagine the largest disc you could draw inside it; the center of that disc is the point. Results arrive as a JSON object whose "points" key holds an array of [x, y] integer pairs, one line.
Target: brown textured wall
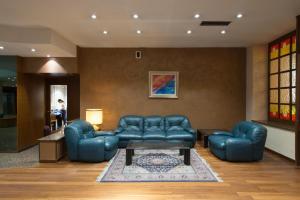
{"points": [[211, 83], [31, 109], [49, 65]]}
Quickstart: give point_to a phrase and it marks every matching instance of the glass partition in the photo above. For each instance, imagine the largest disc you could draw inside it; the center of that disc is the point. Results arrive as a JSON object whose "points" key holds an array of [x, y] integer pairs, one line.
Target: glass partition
{"points": [[8, 104]]}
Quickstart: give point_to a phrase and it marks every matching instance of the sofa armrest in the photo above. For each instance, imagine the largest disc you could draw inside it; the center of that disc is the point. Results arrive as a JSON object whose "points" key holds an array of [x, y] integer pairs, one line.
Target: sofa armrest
{"points": [[225, 133], [239, 149], [91, 149], [104, 133], [118, 130], [190, 130]]}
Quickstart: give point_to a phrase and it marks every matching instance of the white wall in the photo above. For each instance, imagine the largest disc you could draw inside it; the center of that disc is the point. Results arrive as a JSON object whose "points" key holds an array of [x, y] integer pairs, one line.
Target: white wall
{"points": [[281, 141], [257, 83]]}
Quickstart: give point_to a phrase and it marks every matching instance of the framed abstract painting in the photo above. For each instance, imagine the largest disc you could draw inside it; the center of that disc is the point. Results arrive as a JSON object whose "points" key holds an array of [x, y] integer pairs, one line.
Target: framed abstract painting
{"points": [[163, 84]]}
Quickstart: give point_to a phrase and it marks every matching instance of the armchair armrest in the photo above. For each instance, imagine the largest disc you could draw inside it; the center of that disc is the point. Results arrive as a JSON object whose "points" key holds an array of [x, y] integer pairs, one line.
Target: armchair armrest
{"points": [[225, 133], [239, 149], [104, 133], [91, 149]]}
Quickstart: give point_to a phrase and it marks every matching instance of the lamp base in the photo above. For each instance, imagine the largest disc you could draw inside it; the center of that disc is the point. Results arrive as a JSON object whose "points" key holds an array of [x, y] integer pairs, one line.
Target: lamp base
{"points": [[96, 127]]}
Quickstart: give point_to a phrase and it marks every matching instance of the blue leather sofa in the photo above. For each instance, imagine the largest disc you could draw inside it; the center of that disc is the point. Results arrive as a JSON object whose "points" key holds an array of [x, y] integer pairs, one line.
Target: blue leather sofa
{"points": [[172, 127], [85, 144], [246, 142]]}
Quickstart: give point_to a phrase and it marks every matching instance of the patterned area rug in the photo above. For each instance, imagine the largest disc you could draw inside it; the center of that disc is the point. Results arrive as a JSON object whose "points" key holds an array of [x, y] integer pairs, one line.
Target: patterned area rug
{"points": [[158, 166], [26, 158]]}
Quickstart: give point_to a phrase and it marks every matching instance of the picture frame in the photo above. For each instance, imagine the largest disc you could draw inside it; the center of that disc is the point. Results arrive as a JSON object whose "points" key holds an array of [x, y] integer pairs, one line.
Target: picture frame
{"points": [[163, 84]]}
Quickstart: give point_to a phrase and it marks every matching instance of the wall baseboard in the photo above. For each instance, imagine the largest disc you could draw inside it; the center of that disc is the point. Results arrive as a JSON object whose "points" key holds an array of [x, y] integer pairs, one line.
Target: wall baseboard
{"points": [[280, 155]]}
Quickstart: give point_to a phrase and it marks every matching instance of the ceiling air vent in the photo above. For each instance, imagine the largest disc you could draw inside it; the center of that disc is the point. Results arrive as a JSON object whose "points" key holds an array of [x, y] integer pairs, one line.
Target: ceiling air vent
{"points": [[215, 23]]}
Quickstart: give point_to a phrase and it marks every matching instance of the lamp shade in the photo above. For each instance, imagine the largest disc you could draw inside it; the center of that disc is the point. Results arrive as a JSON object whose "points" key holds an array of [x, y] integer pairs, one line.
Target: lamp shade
{"points": [[94, 116]]}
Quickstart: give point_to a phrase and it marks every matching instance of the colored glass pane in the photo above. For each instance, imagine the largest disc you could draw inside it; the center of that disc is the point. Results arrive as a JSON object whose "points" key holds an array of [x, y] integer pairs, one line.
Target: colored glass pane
{"points": [[294, 95], [274, 66], [273, 96], [285, 96], [285, 63], [293, 78], [274, 51], [294, 61], [293, 113], [285, 112], [294, 43], [285, 79], [274, 81], [285, 47], [274, 111]]}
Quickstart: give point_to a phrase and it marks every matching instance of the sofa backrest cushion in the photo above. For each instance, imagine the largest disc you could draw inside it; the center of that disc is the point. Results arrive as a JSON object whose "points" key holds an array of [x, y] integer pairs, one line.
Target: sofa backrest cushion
{"points": [[153, 123], [176, 123], [131, 123]]}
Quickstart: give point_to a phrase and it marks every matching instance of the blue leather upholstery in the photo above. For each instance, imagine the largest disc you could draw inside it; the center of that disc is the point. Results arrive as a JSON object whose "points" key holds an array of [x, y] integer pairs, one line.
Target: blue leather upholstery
{"points": [[84, 144], [173, 127], [246, 142]]}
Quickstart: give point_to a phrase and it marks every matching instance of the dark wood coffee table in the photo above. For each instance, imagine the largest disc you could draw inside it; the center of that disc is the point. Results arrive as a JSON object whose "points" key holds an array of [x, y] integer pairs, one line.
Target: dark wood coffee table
{"points": [[183, 147]]}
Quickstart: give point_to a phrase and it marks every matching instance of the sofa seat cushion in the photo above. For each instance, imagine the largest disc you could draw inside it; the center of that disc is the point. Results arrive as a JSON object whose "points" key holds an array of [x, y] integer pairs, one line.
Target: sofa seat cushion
{"points": [[111, 143], [180, 135], [154, 135], [130, 135], [218, 141]]}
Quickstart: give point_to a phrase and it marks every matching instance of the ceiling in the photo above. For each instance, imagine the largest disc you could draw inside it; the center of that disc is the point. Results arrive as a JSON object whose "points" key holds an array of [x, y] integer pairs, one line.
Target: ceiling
{"points": [[163, 23]]}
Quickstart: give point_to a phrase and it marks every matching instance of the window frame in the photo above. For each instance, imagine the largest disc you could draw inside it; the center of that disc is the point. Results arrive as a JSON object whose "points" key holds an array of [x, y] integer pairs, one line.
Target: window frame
{"points": [[279, 88]]}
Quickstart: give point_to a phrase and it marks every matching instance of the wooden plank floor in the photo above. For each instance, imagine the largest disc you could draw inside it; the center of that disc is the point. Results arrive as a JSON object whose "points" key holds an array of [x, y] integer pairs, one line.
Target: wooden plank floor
{"points": [[273, 178]]}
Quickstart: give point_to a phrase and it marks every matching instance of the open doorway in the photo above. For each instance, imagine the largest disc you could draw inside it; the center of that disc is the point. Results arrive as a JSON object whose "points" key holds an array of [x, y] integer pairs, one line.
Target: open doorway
{"points": [[58, 106], [62, 100]]}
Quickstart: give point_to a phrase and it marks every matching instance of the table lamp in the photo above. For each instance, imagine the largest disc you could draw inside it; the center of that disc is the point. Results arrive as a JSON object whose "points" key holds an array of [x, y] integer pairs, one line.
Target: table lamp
{"points": [[95, 117]]}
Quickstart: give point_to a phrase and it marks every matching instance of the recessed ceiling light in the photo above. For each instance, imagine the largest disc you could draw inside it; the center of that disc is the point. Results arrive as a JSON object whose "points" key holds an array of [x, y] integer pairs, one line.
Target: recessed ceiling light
{"points": [[48, 55], [197, 16], [94, 16], [1, 47], [139, 32], [33, 50], [105, 32], [188, 32], [135, 16], [223, 32], [239, 15]]}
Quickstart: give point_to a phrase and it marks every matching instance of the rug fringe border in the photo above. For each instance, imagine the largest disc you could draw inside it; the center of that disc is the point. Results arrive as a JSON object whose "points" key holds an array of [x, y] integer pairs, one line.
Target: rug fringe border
{"points": [[209, 167], [101, 175]]}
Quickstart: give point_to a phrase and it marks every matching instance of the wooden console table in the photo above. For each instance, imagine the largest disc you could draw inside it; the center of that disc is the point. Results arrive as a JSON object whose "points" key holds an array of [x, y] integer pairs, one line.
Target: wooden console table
{"points": [[52, 147]]}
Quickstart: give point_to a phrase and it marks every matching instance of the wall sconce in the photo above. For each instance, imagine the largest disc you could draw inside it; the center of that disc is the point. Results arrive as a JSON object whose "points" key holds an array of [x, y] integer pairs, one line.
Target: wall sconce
{"points": [[95, 117]]}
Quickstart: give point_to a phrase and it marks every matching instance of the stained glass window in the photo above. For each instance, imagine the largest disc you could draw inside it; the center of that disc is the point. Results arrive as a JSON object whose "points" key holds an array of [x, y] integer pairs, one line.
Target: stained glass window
{"points": [[274, 81], [274, 111], [273, 96], [284, 63], [285, 46], [294, 43], [282, 78], [284, 96], [274, 51], [285, 112], [274, 66]]}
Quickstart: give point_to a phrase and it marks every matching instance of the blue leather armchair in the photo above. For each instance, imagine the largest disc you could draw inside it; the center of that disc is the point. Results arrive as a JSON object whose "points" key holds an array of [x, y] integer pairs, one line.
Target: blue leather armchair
{"points": [[172, 127], [246, 142], [85, 144]]}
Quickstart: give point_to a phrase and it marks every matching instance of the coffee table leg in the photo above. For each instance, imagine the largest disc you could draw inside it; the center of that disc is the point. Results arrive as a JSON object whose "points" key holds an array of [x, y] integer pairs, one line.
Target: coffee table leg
{"points": [[181, 152], [129, 153], [187, 156]]}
